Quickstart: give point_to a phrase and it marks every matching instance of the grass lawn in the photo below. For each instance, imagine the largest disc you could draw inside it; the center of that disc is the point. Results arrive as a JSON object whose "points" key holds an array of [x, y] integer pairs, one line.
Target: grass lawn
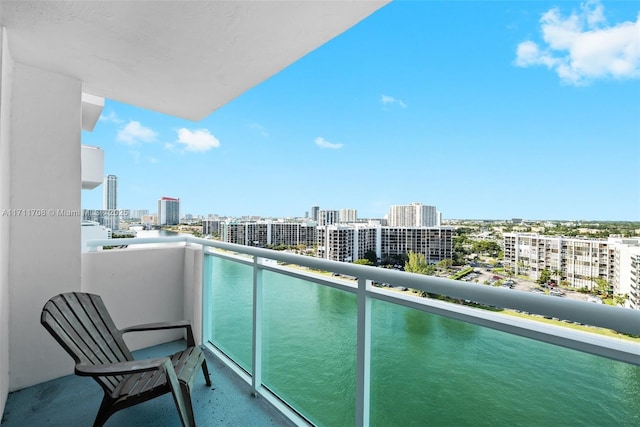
{"points": [[592, 329]]}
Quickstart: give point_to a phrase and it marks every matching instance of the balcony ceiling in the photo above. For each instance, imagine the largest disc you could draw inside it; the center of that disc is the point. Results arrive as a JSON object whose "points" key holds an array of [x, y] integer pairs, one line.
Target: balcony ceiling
{"points": [[181, 58]]}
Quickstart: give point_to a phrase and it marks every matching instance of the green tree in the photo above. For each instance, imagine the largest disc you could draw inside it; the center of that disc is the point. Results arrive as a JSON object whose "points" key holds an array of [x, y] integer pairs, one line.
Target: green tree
{"points": [[521, 267], [603, 285], [545, 276], [445, 264], [508, 271], [363, 261], [486, 247], [416, 263], [371, 256], [620, 299]]}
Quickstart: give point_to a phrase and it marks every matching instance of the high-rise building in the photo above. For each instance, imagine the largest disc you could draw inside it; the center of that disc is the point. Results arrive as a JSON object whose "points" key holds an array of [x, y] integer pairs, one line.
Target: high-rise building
{"points": [[349, 242], [110, 192], [413, 215], [168, 211], [575, 261], [314, 213], [328, 217], [263, 233], [110, 217], [348, 215], [139, 213]]}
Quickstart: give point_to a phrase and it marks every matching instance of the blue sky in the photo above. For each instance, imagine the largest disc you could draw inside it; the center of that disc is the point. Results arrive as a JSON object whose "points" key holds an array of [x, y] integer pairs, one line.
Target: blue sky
{"points": [[487, 110]]}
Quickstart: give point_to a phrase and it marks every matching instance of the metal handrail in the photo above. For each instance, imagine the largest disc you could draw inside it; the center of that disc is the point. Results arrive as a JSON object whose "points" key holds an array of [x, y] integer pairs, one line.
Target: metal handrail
{"points": [[615, 318]]}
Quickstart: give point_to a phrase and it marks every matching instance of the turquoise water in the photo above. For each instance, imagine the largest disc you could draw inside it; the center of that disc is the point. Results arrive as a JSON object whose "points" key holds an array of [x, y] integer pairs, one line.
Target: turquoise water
{"points": [[426, 369]]}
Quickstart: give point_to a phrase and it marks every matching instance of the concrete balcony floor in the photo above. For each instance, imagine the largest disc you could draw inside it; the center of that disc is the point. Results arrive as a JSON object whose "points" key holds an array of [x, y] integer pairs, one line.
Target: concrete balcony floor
{"points": [[74, 401]]}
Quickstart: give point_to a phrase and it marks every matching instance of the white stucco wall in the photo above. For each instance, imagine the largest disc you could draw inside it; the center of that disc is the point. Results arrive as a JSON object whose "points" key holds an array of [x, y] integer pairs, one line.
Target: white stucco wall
{"points": [[44, 248], [193, 289], [6, 66], [138, 285]]}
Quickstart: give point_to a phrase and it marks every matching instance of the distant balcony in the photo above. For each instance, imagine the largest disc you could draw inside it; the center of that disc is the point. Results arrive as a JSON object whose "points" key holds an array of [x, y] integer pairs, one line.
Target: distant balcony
{"points": [[92, 164], [324, 348]]}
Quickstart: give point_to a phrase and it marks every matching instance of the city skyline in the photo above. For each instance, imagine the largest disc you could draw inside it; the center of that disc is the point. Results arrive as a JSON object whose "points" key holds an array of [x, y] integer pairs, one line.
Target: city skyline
{"points": [[489, 111]]}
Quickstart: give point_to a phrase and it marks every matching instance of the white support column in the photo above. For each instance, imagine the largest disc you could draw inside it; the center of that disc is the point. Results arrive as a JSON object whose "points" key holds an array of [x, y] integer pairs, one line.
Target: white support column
{"points": [[6, 71], [192, 308], [363, 354], [41, 246], [256, 362]]}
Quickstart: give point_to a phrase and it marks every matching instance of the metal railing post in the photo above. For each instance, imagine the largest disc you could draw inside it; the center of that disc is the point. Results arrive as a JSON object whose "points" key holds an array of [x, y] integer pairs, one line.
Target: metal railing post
{"points": [[363, 354], [256, 360], [206, 298]]}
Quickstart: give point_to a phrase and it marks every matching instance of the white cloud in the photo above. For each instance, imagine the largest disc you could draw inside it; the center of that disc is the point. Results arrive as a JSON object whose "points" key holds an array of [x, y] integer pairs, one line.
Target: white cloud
{"points": [[323, 143], [111, 117], [583, 47], [198, 140], [134, 132], [390, 100]]}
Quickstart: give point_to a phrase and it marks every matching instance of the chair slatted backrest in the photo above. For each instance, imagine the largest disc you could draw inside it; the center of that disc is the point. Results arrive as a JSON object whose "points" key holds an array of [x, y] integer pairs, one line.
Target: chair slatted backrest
{"points": [[83, 327]]}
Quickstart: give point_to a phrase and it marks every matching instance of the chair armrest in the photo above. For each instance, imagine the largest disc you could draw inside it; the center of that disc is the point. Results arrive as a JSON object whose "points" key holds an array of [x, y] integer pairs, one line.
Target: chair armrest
{"points": [[157, 326], [164, 325], [123, 368]]}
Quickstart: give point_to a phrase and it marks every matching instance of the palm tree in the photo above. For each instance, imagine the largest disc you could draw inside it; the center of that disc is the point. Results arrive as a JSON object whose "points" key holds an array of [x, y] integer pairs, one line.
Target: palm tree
{"points": [[558, 274]]}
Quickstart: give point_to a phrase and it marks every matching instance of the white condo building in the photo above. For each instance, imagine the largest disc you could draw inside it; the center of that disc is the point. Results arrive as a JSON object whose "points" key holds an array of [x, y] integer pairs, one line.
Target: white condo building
{"points": [[328, 217], [348, 215], [413, 215], [576, 261], [349, 242], [110, 217], [626, 279], [110, 192], [339, 242], [634, 294], [262, 233], [168, 211]]}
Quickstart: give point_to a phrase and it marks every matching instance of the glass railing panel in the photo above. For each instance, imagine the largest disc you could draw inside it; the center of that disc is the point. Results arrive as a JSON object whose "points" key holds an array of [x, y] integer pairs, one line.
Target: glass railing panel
{"points": [[230, 307], [309, 348], [427, 369]]}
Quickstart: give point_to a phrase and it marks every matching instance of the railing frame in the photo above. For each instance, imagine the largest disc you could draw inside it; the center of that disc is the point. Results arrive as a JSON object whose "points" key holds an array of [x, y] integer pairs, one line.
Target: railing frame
{"points": [[616, 318]]}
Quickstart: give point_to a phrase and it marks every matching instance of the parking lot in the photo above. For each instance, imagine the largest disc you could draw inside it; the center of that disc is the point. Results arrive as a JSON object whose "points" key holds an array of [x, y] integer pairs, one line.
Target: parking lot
{"points": [[483, 277]]}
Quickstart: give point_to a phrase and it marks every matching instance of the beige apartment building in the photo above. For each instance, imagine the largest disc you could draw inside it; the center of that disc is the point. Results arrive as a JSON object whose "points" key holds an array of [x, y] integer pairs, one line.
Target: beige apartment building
{"points": [[575, 261]]}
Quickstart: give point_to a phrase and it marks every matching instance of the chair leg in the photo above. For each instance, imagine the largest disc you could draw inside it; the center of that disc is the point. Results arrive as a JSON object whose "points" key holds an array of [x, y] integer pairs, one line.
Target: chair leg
{"points": [[188, 406], [105, 411], [185, 411], [205, 371]]}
